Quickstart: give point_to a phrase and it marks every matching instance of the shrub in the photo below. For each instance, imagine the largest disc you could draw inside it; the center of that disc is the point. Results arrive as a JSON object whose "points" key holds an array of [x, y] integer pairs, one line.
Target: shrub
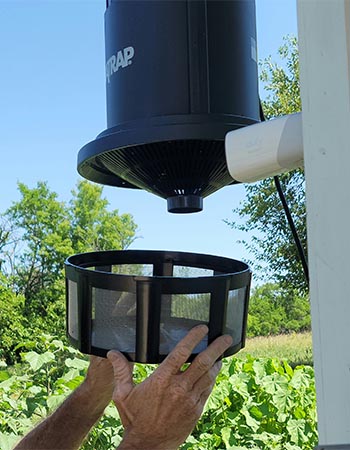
{"points": [[257, 403], [274, 311]]}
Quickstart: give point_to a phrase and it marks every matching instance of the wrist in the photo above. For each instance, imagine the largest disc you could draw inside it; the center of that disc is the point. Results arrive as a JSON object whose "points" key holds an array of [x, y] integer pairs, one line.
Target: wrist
{"points": [[93, 402]]}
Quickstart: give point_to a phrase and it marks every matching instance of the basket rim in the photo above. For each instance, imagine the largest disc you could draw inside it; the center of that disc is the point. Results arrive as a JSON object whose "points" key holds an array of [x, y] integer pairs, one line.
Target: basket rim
{"points": [[224, 266]]}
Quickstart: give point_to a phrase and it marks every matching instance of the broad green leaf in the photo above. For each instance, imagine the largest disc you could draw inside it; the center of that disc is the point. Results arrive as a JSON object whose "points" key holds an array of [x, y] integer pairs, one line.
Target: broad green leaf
{"points": [[228, 436], [240, 383], [74, 382], [209, 441], [275, 382], [4, 375], [55, 400], [300, 380], [7, 441], [76, 363], [70, 375], [112, 411], [218, 397], [252, 423], [7, 384], [299, 413], [9, 400], [57, 344], [296, 430], [289, 446], [288, 369], [281, 399], [270, 439], [256, 412], [37, 360], [259, 369]]}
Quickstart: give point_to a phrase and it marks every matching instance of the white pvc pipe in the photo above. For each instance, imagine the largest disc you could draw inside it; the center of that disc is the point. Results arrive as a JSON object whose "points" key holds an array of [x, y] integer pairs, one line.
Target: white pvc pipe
{"points": [[268, 148]]}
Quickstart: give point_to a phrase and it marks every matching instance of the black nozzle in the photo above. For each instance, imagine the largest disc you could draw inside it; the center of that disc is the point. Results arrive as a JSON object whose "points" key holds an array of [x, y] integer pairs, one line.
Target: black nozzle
{"points": [[182, 204]]}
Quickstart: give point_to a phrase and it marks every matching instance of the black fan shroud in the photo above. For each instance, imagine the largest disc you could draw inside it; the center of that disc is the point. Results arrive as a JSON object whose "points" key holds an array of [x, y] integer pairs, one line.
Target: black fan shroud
{"points": [[181, 170]]}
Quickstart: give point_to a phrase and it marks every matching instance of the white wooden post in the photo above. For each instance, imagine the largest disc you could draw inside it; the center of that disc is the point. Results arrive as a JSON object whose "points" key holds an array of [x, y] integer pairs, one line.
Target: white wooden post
{"points": [[324, 40]]}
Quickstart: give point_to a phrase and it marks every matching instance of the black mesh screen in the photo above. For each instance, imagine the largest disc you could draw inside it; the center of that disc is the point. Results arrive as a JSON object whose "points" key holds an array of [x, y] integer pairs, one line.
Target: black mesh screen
{"points": [[180, 313], [113, 319], [235, 314]]}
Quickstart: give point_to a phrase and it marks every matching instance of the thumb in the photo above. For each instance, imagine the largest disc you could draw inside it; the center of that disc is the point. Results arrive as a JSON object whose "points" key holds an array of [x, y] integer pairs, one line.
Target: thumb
{"points": [[122, 374]]}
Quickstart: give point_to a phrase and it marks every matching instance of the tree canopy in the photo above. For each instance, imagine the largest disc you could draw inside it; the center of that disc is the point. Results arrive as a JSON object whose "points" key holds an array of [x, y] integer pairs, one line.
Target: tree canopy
{"points": [[37, 233], [274, 255]]}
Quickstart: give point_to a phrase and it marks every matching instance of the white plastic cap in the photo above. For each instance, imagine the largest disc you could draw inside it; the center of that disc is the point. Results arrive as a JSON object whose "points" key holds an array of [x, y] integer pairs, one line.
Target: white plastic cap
{"points": [[265, 149]]}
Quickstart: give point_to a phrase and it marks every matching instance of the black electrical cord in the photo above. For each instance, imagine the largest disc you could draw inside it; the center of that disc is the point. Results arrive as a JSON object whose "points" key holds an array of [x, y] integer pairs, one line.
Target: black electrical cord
{"points": [[289, 217]]}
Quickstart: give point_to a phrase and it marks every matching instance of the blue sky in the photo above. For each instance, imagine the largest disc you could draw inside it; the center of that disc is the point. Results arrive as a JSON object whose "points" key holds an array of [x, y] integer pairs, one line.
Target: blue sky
{"points": [[52, 102]]}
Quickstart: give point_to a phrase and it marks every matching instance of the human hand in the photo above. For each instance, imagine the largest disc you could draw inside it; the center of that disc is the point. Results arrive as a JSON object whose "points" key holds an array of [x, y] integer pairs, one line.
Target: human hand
{"points": [[99, 381], [161, 412]]}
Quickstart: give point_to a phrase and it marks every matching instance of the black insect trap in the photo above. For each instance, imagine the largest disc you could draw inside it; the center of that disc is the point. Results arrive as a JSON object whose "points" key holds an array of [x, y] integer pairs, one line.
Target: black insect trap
{"points": [[179, 76]]}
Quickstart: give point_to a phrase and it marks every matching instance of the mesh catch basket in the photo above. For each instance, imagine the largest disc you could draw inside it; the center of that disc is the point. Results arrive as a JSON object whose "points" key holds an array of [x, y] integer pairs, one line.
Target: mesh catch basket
{"points": [[143, 303]]}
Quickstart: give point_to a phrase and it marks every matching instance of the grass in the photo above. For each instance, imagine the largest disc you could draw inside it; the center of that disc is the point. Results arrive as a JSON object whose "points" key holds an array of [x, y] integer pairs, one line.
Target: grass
{"points": [[296, 348]]}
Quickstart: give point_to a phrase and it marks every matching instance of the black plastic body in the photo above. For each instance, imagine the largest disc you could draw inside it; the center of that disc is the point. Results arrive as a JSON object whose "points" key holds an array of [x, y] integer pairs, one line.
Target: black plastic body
{"points": [[180, 74], [90, 271]]}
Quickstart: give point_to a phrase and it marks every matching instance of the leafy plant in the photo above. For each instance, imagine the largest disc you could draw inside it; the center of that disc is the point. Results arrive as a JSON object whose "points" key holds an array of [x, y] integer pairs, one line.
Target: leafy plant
{"points": [[13, 325], [30, 391], [257, 403]]}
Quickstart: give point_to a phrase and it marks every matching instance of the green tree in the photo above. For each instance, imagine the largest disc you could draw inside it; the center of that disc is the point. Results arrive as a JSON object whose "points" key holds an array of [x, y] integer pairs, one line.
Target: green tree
{"points": [[274, 311], [37, 234], [274, 253], [93, 226], [281, 81], [13, 324], [42, 224]]}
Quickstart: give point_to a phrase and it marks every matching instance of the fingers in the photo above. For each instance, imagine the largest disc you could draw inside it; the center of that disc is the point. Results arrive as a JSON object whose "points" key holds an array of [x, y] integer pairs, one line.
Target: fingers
{"points": [[207, 358], [180, 354], [122, 370], [98, 361], [207, 381]]}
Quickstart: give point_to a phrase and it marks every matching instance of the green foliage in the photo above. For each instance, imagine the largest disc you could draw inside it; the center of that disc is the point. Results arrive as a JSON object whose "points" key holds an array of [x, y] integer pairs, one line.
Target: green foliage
{"points": [[259, 404], [29, 392], [256, 404], [274, 311], [281, 81], [13, 325], [42, 223], [94, 228], [274, 255], [37, 234]]}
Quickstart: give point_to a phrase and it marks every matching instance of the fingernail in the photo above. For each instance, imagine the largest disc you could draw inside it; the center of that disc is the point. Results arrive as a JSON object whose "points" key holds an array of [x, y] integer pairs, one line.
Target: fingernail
{"points": [[201, 327], [112, 354]]}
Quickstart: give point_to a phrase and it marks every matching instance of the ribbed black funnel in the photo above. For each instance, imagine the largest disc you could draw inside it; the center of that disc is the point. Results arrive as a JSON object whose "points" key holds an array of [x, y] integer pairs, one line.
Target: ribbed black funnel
{"points": [[180, 75]]}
